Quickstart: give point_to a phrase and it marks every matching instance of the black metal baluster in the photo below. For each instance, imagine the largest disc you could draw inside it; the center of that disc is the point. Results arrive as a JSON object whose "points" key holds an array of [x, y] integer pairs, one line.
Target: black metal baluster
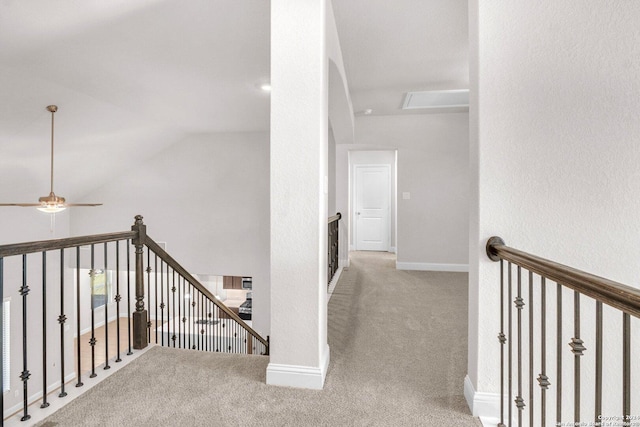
{"points": [[118, 298], [173, 313], [626, 368], [155, 303], [598, 400], [519, 302], [189, 303], [208, 317], [531, 330], [194, 310], [219, 329], [44, 404], [162, 273], [130, 352], [559, 355], [202, 324], [106, 311], [577, 348], [211, 339], [180, 321], [78, 341], [149, 295], [2, 339], [503, 340], [543, 380], [24, 376], [92, 341], [62, 318], [510, 342], [184, 313]]}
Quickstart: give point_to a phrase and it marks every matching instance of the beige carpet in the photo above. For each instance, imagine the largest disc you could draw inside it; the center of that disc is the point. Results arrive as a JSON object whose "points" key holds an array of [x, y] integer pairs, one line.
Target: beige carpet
{"points": [[398, 358]]}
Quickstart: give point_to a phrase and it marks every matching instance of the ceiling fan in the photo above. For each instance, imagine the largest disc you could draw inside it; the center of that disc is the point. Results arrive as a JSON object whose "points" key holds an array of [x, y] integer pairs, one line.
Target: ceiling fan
{"points": [[51, 203]]}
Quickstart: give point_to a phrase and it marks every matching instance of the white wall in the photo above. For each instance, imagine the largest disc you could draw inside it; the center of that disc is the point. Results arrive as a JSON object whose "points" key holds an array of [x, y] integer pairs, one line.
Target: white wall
{"points": [[207, 197], [432, 165], [554, 125]]}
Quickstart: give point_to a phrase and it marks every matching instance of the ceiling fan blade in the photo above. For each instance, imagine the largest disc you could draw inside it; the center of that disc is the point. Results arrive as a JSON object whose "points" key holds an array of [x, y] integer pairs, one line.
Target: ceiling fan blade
{"points": [[83, 204], [24, 205]]}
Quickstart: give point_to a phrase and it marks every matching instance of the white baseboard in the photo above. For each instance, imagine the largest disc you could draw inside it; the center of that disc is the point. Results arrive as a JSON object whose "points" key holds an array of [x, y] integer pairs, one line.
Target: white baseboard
{"points": [[425, 266], [393, 250], [484, 405], [298, 376]]}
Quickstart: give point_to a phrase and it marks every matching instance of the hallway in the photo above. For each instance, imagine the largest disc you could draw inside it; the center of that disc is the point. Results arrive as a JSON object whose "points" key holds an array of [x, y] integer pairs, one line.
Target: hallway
{"points": [[398, 357]]}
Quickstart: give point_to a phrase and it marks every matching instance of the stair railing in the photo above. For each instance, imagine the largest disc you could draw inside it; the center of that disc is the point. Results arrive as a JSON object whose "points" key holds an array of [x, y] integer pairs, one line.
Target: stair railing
{"points": [[333, 246], [527, 325], [185, 313]]}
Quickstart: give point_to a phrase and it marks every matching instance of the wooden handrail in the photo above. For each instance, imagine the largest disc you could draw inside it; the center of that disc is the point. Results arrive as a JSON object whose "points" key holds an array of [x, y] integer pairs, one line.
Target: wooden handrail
{"points": [[175, 265], [336, 217], [69, 242], [618, 295]]}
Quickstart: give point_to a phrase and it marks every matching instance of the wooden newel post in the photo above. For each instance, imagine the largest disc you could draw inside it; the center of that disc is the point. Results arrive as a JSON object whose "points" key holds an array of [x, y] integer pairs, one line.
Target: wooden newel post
{"points": [[140, 315]]}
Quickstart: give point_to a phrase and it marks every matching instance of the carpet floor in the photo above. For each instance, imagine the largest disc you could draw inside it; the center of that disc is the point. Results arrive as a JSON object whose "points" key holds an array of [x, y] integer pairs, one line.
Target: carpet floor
{"points": [[398, 344]]}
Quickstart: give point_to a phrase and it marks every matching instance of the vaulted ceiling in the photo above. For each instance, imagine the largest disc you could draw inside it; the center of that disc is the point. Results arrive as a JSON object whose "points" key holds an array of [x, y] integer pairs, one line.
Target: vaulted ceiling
{"points": [[133, 77]]}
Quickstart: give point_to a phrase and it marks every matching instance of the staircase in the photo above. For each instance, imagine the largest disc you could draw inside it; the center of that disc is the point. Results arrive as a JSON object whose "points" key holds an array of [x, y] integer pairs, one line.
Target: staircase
{"points": [[157, 298]]}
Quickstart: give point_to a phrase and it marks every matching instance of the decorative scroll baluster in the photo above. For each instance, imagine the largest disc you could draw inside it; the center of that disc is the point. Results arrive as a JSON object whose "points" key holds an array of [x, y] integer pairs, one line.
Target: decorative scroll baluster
{"points": [[543, 380], [531, 348], [598, 400], [92, 341], [156, 299], [519, 303], [78, 341], [118, 299], [188, 300], [626, 367], [173, 313], [510, 341], [162, 273], [559, 355], [44, 404], [180, 312], [577, 348], [503, 340], [106, 313], [62, 318], [24, 376]]}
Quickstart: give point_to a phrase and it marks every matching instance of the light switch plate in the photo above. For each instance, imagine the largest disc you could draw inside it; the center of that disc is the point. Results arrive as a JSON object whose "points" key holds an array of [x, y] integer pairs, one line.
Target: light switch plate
{"points": [[406, 195]]}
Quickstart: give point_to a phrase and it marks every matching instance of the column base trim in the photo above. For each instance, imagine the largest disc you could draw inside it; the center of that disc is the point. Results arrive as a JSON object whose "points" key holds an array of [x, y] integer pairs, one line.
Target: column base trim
{"points": [[296, 376], [484, 405]]}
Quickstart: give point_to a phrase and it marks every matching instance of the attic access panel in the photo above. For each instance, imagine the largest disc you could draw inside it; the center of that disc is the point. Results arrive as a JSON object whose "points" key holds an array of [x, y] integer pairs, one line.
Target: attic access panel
{"points": [[436, 99]]}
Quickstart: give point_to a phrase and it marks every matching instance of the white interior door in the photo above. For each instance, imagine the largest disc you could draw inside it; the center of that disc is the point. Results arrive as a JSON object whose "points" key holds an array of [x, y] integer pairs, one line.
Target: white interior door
{"points": [[372, 217]]}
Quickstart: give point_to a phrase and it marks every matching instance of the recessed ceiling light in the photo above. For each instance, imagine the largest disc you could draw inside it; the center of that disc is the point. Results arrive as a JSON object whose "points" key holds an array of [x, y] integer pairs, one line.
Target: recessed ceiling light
{"points": [[266, 87]]}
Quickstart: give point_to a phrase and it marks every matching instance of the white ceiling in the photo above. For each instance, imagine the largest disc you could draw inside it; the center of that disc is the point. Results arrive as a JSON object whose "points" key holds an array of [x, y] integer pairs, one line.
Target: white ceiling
{"points": [[133, 77]]}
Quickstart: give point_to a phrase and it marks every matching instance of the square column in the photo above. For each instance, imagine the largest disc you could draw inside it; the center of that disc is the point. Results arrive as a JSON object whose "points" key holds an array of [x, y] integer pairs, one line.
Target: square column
{"points": [[299, 353]]}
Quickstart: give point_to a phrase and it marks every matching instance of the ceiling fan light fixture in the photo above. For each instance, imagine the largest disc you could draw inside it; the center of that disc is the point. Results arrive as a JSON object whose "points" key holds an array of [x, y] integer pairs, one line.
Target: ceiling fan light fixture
{"points": [[51, 204]]}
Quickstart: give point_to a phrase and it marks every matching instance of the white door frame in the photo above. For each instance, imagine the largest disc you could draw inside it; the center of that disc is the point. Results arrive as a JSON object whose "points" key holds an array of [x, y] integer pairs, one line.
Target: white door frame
{"points": [[354, 196]]}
